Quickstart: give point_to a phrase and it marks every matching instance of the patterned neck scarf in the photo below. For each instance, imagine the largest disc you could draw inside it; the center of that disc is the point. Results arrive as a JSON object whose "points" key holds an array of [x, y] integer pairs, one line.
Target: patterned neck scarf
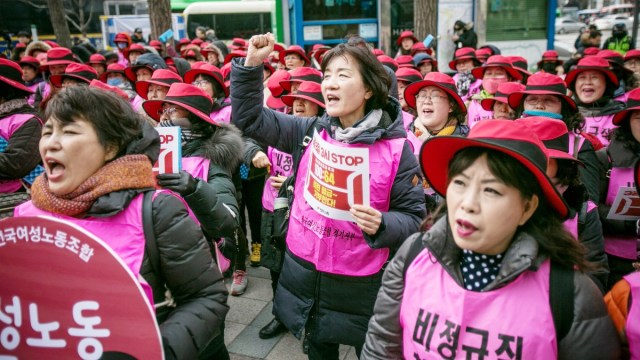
{"points": [[479, 270]]}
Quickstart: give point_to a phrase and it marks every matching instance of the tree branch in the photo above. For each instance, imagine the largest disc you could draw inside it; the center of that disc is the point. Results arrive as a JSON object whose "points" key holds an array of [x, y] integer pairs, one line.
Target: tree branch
{"points": [[33, 4]]}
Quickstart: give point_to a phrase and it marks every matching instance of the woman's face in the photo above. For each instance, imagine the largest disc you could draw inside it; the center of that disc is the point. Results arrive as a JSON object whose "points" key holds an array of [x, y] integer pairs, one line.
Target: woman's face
{"points": [[133, 56], [425, 68], [57, 69], [28, 73], [401, 86], [205, 84], [633, 65], [173, 112], [590, 86], [71, 153], [143, 74], [407, 43], [212, 58], [503, 111], [69, 82], [548, 103], [302, 107], [464, 65], [483, 212], [433, 107], [157, 92], [99, 68], [293, 61], [344, 91], [634, 123]]}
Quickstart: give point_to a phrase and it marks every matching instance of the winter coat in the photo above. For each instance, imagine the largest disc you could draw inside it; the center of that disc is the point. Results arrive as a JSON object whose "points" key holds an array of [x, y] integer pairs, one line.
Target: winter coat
{"points": [[336, 307], [590, 235], [22, 153], [591, 336], [467, 37], [214, 201]]}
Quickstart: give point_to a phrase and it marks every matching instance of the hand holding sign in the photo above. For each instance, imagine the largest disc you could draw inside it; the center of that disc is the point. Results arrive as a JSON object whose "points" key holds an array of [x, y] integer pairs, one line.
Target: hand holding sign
{"points": [[367, 218]]}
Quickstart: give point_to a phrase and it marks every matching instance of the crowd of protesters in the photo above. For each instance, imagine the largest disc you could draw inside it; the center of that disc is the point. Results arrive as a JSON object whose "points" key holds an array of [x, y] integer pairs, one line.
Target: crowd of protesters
{"points": [[491, 189]]}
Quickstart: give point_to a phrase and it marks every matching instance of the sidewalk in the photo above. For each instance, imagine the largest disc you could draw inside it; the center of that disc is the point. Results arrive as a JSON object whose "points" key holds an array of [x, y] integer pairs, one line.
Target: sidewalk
{"points": [[249, 313]]}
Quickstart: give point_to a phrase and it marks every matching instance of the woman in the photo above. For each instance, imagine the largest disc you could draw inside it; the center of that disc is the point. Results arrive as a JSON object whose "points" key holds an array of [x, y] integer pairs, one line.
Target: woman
{"points": [[209, 78], [497, 70], [331, 296], [156, 88], [98, 62], [31, 75], [489, 256], [593, 85], [622, 153], [20, 127], [405, 43], [464, 60], [499, 104], [407, 76], [115, 76], [294, 57], [425, 63], [98, 154], [546, 95]]}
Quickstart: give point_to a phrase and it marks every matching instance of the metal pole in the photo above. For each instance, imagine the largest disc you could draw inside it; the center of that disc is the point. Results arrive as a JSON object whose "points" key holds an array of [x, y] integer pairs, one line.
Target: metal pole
{"points": [[634, 30]]}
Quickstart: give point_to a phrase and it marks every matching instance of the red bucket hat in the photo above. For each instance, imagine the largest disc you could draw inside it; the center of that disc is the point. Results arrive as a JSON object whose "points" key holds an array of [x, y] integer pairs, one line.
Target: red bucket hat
{"points": [[11, 74], [408, 75], [632, 54], [182, 43], [388, 61], [550, 55], [502, 95], [97, 59], [509, 137], [542, 84], [521, 64], [463, 54], [318, 51], [595, 63], [162, 77], [190, 97], [234, 54], [156, 44], [114, 89], [378, 52], [308, 90], [238, 44], [197, 42], [298, 75], [405, 61], [406, 34], [500, 61], [554, 135], [130, 71], [442, 81], [210, 70], [30, 61], [483, 54], [633, 104], [82, 72], [419, 46], [294, 49], [58, 56], [273, 83], [112, 68], [134, 48]]}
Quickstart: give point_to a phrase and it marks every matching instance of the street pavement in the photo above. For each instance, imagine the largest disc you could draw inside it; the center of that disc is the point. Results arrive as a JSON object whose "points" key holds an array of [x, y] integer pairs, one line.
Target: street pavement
{"points": [[251, 311]]}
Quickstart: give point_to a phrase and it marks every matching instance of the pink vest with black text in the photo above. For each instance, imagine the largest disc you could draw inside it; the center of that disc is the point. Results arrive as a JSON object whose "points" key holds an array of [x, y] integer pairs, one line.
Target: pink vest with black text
{"points": [[8, 126], [600, 126], [476, 113], [632, 327], [335, 246], [281, 165], [123, 232], [440, 319], [619, 245]]}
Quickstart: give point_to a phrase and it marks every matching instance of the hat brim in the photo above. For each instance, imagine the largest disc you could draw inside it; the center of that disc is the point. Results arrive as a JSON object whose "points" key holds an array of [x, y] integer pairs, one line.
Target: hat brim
{"points": [[142, 87], [413, 89], [274, 102], [151, 107], [288, 99], [561, 155], [623, 115], [412, 37], [452, 63], [516, 98], [130, 72], [571, 76], [46, 65], [435, 168], [16, 84], [105, 74], [284, 53], [56, 80], [487, 104], [192, 74], [478, 72]]}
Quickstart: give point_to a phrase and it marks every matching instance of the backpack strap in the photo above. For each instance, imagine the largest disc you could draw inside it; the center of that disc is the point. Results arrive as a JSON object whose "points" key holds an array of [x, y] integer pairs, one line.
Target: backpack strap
{"points": [[415, 249], [150, 245], [299, 151], [561, 290]]}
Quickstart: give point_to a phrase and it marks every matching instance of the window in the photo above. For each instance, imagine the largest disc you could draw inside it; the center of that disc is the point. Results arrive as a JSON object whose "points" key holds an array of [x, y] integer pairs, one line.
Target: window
{"points": [[229, 26], [516, 20], [339, 9]]}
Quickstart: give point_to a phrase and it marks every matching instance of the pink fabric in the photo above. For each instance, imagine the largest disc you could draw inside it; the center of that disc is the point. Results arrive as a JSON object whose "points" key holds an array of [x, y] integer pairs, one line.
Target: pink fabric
{"points": [[600, 126], [440, 319], [475, 113], [571, 225], [339, 247], [32, 98], [8, 126], [136, 103], [619, 245], [221, 116], [122, 60], [281, 164], [407, 120], [474, 88], [123, 232], [633, 325]]}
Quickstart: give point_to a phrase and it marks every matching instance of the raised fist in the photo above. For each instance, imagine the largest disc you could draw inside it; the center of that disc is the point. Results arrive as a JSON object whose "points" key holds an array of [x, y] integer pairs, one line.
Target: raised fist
{"points": [[260, 46]]}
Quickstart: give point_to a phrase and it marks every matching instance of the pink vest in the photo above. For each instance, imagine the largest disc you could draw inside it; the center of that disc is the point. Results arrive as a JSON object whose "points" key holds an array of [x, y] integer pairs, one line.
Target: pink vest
{"points": [[8, 126], [600, 126], [136, 103], [474, 88], [123, 232], [632, 327], [32, 98], [440, 319], [407, 120], [571, 225], [46, 89], [121, 59], [334, 246], [476, 113], [221, 116], [281, 164], [620, 245]]}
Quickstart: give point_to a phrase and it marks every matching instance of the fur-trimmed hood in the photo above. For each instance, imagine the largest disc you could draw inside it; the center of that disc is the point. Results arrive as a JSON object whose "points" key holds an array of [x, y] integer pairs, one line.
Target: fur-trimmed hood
{"points": [[37, 45], [225, 148]]}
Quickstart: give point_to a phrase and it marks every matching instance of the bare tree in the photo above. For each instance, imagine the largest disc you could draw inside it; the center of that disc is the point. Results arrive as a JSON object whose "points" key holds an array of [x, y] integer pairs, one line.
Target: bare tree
{"points": [[160, 15], [73, 12], [425, 18], [59, 22]]}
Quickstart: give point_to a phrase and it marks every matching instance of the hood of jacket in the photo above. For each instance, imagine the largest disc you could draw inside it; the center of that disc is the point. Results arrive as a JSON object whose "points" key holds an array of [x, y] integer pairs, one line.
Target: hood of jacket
{"points": [[224, 148], [391, 125], [154, 61], [37, 45], [600, 108], [521, 255]]}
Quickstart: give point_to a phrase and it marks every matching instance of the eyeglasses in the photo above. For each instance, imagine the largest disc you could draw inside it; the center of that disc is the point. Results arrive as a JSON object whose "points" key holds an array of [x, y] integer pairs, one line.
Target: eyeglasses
{"points": [[432, 97], [546, 101], [632, 62], [201, 82], [167, 111]]}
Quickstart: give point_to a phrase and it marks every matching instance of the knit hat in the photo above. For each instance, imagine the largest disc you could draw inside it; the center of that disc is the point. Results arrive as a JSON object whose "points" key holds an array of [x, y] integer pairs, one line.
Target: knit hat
{"points": [[190, 97], [81, 72], [442, 81], [502, 95]]}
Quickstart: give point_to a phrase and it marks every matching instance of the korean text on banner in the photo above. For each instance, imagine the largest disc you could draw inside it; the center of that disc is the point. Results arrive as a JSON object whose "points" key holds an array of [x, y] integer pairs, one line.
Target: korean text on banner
{"points": [[626, 205], [337, 178], [170, 159]]}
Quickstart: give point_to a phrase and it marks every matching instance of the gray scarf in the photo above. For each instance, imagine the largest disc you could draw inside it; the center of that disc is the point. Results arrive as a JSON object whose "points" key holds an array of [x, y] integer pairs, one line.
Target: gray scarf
{"points": [[371, 120]]}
